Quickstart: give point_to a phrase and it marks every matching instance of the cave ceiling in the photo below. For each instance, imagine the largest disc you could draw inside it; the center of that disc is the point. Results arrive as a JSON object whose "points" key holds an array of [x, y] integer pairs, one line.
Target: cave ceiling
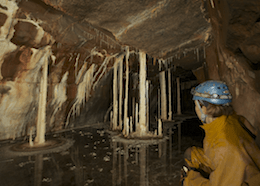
{"points": [[161, 28]]}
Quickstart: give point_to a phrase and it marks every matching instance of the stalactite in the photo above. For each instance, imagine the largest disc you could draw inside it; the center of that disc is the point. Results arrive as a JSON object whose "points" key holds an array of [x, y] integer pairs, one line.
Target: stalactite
{"points": [[60, 95], [76, 65], [81, 72], [83, 93], [163, 96], [126, 84], [103, 67], [71, 56]]}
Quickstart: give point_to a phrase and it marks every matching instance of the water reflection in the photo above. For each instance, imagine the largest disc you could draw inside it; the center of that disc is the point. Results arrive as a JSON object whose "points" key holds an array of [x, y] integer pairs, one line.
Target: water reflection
{"points": [[38, 170], [100, 158], [136, 156]]}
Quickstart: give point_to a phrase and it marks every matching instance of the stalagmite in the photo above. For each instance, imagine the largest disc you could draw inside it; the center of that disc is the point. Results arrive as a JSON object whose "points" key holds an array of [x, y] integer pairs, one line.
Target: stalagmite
{"points": [[30, 138], [115, 117], [111, 120], [163, 96], [115, 96], [41, 122], [131, 124], [147, 103], [126, 125], [142, 110], [159, 127], [178, 96], [126, 85], [170, 95], [120, 93]]}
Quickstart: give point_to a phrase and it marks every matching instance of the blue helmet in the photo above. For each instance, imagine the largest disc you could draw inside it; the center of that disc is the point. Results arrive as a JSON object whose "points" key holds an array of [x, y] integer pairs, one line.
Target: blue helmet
{"points": [[215, 92]]}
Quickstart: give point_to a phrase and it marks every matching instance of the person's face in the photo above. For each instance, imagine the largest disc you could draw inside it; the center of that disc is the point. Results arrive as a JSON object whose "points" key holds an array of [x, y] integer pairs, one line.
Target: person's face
{"points": [[197, 110]]}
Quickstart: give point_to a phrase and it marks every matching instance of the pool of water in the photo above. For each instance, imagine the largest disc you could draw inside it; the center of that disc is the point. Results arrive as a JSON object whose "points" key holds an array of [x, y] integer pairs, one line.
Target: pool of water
{"points": [[97, 157]]}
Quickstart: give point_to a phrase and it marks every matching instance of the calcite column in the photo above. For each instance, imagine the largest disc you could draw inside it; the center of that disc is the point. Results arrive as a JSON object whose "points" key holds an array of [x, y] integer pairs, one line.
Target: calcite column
{"points": [[115, 96], [169, 94], [41, 122], [142, 110], [126, 85], [163, 96]]}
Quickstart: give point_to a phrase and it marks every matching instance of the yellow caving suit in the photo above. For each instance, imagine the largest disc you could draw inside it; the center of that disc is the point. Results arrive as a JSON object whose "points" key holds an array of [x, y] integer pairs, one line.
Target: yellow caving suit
{"points": [[230, 155]]}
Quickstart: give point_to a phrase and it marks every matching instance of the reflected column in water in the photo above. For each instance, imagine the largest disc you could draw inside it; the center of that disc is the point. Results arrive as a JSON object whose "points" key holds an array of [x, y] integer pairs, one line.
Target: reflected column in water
{"points": [[164, 154], [143, 173], [114, 146], [78, 171], [125, 162], [170, 147], [38, 170], [119, 164]]}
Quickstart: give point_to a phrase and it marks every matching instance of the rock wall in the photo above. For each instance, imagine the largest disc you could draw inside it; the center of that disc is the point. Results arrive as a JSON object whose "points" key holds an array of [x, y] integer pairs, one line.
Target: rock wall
{"points": [[233, 55], [79, 55]]}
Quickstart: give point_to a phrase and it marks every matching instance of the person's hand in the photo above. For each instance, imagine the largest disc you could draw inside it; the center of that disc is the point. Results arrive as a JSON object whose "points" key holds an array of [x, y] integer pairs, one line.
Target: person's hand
{"points": [[184, 173]]}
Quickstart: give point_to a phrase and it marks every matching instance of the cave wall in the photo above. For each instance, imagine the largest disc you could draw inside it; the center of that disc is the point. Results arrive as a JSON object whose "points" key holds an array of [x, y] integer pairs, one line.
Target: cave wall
{"points": [[233, 56], [31, 33]]}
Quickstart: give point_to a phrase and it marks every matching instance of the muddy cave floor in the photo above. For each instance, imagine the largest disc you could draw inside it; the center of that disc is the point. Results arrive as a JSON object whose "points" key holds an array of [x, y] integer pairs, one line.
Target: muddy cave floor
{"points": [[97, 158]]}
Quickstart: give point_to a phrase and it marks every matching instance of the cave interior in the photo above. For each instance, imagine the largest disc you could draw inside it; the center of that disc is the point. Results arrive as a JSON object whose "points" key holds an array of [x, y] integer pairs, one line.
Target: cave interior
{"points": [[94, 70]]}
